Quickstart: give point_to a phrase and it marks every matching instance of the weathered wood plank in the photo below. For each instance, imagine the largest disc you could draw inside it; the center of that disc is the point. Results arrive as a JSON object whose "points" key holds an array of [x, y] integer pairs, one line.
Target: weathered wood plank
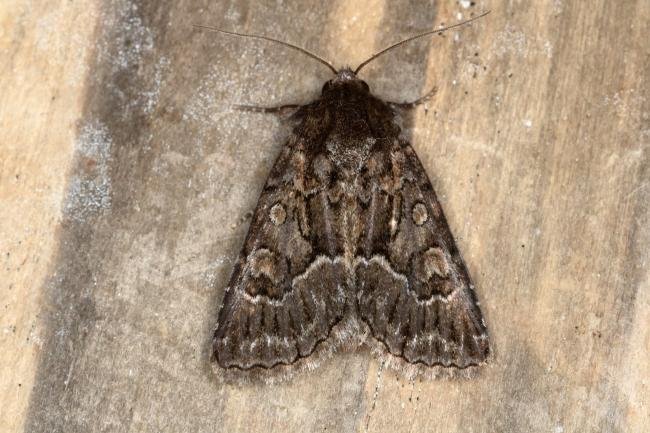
{"points": [[45, 48], [537, 143]]}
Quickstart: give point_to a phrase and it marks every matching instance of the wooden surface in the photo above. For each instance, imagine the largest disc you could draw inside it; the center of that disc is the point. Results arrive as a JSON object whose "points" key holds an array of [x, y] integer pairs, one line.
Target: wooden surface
{"points": [[45, 50], [125, 179]]}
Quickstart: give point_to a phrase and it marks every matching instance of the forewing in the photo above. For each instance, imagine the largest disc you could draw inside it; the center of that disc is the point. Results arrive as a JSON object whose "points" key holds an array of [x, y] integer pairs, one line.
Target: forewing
{"points": [[288, 288], [414, 291]]}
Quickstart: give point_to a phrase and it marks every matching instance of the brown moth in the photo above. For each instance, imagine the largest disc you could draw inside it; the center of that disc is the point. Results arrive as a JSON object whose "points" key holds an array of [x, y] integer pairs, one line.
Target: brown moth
{"points": [[348, 244]]}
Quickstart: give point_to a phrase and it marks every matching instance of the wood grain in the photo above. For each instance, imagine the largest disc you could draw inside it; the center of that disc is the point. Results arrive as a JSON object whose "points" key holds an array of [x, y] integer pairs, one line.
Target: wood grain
{"points": [[125, 179], [45, 52]]}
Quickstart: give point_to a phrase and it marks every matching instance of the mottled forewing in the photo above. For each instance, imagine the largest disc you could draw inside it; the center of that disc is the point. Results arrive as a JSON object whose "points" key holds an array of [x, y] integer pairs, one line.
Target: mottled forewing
{"points": [[286, 293], [413, 288]]}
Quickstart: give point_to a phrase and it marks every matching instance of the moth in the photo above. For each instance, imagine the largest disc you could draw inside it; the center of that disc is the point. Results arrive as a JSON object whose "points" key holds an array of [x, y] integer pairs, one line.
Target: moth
{"points": [[348, 243]]}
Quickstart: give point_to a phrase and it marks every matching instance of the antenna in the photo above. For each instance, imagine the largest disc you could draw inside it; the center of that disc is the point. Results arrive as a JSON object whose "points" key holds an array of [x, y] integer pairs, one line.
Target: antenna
{"points": [[444, 29], [266, 38]]}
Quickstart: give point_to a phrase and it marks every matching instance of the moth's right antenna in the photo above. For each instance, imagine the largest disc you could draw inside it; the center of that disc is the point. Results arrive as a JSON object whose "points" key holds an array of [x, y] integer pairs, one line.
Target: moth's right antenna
{"points": [[266, 38], [444, 29]]}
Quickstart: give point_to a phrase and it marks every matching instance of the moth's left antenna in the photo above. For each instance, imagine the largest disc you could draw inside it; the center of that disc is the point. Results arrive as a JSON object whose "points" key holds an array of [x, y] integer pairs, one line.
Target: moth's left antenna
{"points": [[266, 38]]}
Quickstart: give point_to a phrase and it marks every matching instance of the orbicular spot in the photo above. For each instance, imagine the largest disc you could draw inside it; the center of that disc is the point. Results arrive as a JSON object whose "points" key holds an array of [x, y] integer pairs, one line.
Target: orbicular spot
{"points": [[419, 214], [278, 214]]}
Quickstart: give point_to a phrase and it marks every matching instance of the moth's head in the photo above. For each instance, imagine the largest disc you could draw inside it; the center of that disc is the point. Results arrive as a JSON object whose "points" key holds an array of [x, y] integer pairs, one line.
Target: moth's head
{"points": [[345, 79]]}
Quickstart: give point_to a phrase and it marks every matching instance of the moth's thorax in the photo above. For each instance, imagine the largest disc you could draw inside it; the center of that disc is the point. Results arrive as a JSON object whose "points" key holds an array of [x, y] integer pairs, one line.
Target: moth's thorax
{"points": [[348, 101], [354, 120]]}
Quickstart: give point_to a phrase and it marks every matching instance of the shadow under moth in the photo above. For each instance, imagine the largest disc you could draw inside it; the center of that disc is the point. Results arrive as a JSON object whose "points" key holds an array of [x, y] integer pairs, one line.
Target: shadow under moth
{"points": [[348, 244]]}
